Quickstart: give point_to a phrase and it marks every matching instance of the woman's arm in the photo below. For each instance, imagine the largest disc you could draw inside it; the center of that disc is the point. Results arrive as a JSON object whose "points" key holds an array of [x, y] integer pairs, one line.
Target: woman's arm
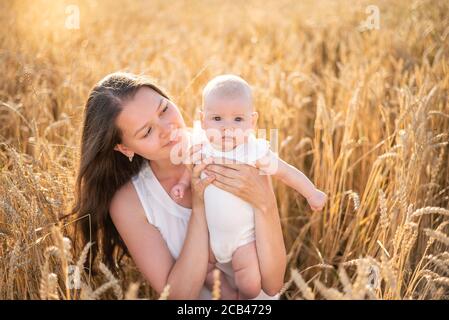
{"points": [[149, 251], [191, 266], [245, 182], [270, 245]]}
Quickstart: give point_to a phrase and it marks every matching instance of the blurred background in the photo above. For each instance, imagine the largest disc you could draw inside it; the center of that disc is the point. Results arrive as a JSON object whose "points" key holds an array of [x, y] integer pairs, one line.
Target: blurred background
{"points": [[357, 89]]}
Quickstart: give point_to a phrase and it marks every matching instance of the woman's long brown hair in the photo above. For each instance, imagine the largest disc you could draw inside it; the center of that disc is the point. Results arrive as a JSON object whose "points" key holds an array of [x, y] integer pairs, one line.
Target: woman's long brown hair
{"points": [[102, 170]]}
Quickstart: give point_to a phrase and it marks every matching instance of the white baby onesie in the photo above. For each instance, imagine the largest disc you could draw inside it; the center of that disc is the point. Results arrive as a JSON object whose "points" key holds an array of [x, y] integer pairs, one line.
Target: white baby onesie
{"points": [[230, 219]]}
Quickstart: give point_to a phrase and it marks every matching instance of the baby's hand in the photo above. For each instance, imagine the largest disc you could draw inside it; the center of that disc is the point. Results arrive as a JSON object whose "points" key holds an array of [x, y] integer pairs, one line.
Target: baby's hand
{"points": [[177, 192], [317, 200]]}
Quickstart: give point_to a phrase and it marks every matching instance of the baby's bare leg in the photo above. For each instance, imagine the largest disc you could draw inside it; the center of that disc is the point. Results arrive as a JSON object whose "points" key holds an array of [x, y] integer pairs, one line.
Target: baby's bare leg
{"points": [[226, 291], [210, 266], [246, 271]]}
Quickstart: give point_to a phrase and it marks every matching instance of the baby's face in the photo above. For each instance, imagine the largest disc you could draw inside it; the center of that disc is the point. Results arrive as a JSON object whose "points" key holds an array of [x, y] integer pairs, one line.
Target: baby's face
{"points": [[228, 121]]}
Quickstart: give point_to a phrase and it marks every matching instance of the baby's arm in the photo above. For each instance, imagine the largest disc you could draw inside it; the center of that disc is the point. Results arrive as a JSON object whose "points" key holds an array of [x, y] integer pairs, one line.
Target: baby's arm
{"points": [[178, 190], [294, 178]]}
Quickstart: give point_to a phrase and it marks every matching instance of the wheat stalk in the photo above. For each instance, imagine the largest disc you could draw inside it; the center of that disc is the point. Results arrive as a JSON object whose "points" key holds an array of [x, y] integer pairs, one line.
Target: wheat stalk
{"points": [[384, 219], [437, 235], [216, 291], [328, 293], [302, 285], [165, 293], [371, 122], [112, 280], [132, 292], [429, 210]]}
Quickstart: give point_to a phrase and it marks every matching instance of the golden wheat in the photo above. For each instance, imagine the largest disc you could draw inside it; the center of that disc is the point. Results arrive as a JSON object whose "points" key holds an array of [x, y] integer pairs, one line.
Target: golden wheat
{"points": [[363, 113]]}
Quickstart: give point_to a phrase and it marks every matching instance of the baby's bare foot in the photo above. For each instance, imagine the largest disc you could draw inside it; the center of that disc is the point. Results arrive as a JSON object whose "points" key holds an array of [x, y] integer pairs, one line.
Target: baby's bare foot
{"points": [[177, 192]]}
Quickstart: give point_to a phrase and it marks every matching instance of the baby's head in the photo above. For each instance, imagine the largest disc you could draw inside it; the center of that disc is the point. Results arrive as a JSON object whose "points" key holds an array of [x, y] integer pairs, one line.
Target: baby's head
{"points": [[228, 114]]}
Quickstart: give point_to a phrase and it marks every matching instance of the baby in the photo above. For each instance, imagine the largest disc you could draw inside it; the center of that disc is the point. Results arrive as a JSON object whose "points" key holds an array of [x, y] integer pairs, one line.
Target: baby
{"points": [[228, 120]]}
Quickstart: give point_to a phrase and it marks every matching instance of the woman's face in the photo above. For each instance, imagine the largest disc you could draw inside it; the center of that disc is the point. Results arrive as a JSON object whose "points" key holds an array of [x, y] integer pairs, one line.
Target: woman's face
{"points": [[146, 123]]}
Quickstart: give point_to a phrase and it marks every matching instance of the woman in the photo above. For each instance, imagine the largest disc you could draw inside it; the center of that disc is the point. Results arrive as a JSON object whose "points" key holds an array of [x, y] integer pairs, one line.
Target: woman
{"points": [[124, 177]]}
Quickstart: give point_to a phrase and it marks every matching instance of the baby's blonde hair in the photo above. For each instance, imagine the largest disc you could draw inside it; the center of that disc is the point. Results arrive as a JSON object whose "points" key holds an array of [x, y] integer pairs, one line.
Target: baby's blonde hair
{"points": [[227, 86]]}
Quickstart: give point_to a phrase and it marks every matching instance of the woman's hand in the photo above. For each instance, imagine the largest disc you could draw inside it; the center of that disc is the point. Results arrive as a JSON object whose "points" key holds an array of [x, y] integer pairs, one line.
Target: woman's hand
{"points": [[198, 185], [196, 163], [244, 181]]}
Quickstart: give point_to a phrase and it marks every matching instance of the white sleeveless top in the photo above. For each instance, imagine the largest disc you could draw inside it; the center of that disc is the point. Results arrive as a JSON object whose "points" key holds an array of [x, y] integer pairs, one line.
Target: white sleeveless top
{"points": [[171, 219]]}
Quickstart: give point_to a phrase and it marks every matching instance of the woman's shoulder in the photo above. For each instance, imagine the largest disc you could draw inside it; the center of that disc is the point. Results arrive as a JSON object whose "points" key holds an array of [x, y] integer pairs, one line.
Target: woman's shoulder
{"points": [[124, 200]]}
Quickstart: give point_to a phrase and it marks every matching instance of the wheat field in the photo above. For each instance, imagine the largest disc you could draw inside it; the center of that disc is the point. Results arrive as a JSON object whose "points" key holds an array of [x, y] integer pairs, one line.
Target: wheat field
{"points": [[363, 112]]}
